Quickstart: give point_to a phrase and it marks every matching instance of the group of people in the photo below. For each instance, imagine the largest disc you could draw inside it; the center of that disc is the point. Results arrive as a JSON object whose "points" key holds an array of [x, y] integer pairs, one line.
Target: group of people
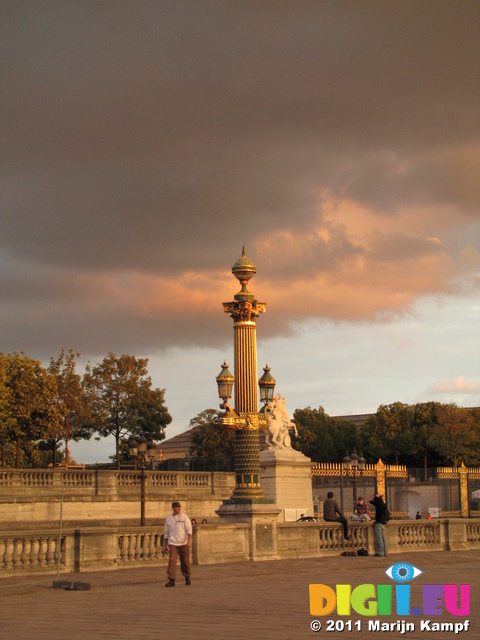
{"points": [[178, 531], [333, 513]]}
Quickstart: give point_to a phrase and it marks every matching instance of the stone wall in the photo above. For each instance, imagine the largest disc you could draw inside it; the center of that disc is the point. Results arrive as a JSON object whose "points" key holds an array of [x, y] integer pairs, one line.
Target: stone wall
{"points": [[27, 552], [107, 497]]}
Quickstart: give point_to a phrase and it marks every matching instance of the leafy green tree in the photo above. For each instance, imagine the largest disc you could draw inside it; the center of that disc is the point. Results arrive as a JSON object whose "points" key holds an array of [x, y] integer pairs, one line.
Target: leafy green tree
{"points": [[32, 412], [394, 433], [123, 401], [322, 438], [210, 438], [456, 436], [425, 421], [74, 403]]}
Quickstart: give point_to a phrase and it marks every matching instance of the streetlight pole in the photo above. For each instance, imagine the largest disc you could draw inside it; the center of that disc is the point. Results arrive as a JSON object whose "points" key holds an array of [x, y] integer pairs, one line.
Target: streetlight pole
{"points": [[143, 452], [244, 417], [354, 465]]}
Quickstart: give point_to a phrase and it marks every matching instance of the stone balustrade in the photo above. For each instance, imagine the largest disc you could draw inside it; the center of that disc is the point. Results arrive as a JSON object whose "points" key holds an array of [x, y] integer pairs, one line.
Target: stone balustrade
{"points": [[100, 481], [107, 496], [109, 548], [30, 552]]}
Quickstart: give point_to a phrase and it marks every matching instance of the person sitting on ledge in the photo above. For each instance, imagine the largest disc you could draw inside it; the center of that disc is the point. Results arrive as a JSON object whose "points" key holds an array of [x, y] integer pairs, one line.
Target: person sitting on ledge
{"points": [[362, 512], [330, 511]]}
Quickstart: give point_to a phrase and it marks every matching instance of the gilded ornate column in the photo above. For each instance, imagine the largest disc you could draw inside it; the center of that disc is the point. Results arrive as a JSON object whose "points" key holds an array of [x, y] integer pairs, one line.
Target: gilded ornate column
{"points": [[464, 506], [245, 417], [380, 479]]}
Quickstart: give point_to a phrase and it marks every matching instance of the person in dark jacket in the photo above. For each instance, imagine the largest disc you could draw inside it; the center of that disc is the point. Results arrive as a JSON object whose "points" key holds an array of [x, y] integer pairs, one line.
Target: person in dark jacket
{"points": [[381, 548], [333, 513]]}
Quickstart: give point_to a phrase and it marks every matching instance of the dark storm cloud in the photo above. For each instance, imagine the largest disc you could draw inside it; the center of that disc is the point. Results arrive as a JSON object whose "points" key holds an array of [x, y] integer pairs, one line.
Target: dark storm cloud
{"points": [[160, 136]]}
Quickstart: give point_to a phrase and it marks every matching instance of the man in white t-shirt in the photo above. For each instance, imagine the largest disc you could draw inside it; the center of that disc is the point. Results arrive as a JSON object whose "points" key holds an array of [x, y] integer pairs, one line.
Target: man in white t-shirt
{"points": [[177, 543]]}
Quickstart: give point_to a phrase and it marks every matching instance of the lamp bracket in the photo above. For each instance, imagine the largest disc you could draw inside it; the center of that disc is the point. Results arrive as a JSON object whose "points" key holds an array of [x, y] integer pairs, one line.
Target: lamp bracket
{"points": [[244, 421]]}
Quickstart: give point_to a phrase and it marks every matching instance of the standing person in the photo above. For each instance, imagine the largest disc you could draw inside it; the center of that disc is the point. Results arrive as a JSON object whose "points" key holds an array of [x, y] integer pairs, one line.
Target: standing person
{"points": [[177, 543], [330, 511], [381, 547]]}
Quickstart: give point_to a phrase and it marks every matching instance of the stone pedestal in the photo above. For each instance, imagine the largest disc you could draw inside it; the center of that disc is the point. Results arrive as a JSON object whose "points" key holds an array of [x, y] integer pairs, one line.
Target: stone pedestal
{"points": [[262, 521], [286, 477]]}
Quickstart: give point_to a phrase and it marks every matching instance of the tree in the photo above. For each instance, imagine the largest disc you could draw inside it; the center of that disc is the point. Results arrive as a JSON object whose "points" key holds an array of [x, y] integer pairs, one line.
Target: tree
{"points": [[6, 409], [74, 403], [31, 413], [456, 436], [322, 438], [394, 434], [210, 438], [425, 421], [123, 401]]}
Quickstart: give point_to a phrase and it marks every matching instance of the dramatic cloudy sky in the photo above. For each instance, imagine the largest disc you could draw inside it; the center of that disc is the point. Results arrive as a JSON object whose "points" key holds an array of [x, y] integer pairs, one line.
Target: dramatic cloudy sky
{"points": [[144, 142]]}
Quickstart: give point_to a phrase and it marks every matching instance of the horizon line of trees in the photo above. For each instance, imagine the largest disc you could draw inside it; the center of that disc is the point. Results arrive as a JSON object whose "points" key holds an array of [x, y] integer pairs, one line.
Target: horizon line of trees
{"points": [[421, 435], [41, 407]]}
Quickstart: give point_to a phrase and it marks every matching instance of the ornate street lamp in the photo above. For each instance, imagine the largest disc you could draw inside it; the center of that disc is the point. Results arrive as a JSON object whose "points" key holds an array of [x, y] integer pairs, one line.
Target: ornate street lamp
{"points": [[354, 465], [267, 387], [143, 452], [225, 382], [245, 417]]}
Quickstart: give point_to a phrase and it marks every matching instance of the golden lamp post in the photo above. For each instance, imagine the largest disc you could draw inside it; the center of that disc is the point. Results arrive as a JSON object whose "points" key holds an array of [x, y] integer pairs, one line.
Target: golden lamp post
{"points": [[245, 418]]}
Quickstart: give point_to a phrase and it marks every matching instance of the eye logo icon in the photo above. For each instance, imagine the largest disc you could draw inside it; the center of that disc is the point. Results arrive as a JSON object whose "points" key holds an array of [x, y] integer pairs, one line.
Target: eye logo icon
{"points": [[403, 572]]}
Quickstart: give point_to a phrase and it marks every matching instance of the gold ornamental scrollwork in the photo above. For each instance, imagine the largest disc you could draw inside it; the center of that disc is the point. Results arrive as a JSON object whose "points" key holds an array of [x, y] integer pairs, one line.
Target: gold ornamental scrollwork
{"points": [[244, 421]]}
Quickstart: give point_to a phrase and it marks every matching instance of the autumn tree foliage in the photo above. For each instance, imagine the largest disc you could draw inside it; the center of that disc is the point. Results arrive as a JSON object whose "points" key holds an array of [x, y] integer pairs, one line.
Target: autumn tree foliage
{"points": [[123, 400], [74, 403], [28, 409]]}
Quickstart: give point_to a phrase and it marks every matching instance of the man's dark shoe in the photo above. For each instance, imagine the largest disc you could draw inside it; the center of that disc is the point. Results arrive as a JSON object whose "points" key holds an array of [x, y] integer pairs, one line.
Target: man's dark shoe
{"points": [[187, 581], [170, 583]]}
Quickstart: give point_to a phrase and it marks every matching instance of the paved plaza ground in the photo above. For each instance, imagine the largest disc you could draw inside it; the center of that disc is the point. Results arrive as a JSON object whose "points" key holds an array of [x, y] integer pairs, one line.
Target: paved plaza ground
{"points": [[250, 600]]}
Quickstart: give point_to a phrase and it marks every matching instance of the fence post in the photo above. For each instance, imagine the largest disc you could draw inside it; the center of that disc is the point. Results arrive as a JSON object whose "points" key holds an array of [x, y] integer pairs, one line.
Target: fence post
{"points": [[380, 478], [464, 506]]}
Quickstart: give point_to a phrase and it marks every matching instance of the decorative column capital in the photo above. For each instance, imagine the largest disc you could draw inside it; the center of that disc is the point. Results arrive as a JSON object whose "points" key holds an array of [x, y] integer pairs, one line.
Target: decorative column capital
{"points": [[244, 310]]}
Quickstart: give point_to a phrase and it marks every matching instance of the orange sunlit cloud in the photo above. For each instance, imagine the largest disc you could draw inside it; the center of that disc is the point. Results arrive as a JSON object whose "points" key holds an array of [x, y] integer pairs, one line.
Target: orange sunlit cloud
{"points": [[459, 385]]}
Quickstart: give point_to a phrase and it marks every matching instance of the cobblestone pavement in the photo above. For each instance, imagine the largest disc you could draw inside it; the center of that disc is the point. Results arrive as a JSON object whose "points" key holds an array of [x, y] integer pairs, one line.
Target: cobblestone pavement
{"points": [[245, 601]]}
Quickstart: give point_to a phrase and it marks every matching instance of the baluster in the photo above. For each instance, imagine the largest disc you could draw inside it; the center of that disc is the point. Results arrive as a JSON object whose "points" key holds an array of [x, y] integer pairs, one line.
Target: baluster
{"points": [[42, 552], [50, 555], [131, 546], [8, 553], [58, 555], [25, 558], [34, 552], [17, 553], [124, 548], [138, 547], [146, 546], [2, 553], [153, 547]]}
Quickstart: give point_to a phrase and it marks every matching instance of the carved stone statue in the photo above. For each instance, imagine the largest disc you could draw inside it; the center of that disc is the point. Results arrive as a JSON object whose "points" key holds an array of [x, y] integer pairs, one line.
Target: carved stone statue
{"points": [[277, 434]]}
